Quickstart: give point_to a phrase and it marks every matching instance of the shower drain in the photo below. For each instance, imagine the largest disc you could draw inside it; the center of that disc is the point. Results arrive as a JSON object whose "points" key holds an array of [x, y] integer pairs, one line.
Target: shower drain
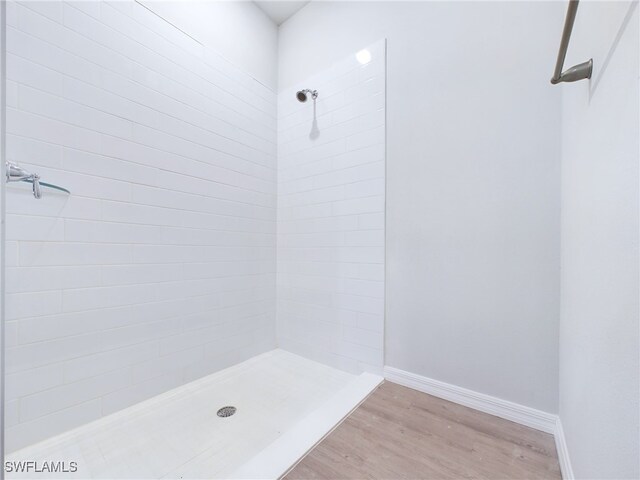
{"points": [[226, 411]]}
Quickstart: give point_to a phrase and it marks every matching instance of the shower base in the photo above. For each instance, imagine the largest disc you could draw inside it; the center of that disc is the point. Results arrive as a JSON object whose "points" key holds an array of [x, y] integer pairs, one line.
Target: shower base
{"points": [[284, 405]]}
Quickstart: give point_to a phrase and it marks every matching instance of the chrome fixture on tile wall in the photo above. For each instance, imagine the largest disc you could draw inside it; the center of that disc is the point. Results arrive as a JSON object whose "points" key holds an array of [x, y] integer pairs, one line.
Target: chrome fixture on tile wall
{"points": [[19, 174], [303, 95]]}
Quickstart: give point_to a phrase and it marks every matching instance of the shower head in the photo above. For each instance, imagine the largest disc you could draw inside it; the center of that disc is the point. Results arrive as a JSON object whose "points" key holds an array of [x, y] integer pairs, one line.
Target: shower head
{"points": [[303, 95]]}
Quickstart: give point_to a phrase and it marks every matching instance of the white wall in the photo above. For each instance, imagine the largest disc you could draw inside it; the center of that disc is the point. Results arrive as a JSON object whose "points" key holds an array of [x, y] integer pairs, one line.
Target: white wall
{"points": [[3, 77], [331, 194], [237, 30], [599, 328], [473, 158], [160, 266]]}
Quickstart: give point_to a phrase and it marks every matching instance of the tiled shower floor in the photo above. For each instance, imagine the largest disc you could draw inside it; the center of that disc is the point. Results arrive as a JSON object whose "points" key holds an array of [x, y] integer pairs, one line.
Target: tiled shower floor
{"points": [[179, 435]]}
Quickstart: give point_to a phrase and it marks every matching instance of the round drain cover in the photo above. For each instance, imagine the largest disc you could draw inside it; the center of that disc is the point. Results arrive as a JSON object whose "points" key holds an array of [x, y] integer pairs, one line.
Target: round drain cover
{"points": [[226, 411]]}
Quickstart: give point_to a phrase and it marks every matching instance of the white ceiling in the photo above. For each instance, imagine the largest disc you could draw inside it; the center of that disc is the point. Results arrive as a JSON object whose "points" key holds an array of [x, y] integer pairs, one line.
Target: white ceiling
{"points": [[279, 11]]}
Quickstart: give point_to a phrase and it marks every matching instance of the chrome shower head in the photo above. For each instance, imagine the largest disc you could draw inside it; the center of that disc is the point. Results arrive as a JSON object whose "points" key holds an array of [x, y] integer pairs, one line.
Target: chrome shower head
{"points": [[302, 95]]}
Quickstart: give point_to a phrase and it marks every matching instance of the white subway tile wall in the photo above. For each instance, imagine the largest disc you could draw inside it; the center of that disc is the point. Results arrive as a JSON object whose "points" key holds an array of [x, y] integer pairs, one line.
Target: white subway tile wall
{"points": [[331, 215], [160, 266]]}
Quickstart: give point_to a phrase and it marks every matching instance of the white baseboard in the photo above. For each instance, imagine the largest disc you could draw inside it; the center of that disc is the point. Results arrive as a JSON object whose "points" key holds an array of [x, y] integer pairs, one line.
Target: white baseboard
{"points": [[563, 452], [527, 416]]}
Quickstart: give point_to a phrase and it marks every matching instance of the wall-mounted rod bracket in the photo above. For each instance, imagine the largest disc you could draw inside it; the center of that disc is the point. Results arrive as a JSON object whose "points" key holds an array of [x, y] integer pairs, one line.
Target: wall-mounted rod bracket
{"points": [[577, 72], [18, 174]]}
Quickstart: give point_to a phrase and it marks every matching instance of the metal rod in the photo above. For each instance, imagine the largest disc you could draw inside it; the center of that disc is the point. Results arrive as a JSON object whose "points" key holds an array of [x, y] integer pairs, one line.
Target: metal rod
{"points": [[577, 72]]}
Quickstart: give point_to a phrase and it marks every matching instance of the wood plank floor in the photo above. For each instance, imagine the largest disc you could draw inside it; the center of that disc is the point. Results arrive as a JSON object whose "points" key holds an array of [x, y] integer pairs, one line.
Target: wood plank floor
{"points": [[400, 433]]}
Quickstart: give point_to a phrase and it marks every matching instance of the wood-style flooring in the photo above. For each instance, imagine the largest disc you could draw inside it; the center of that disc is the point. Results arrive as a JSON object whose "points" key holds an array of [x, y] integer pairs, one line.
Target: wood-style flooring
{"points": [[400, 433]]}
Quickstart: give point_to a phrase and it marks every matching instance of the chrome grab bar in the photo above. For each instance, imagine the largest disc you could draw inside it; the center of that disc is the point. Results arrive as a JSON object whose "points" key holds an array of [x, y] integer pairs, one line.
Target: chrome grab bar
{"points": [[19, 174], [577, 72]]}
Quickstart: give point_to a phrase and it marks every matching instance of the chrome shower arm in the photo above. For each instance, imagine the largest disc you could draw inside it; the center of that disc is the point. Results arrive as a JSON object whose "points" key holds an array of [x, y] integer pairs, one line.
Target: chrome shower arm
{"points": [[303, 94]]}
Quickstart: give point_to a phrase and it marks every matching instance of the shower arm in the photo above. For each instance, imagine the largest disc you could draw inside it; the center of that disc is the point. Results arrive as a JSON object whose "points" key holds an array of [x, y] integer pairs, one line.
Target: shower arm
{"points": [[314, 93]]}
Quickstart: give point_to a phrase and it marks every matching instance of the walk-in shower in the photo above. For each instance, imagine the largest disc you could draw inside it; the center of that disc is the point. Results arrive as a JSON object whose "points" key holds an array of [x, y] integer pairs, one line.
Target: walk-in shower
{"points": [[141, 281]]}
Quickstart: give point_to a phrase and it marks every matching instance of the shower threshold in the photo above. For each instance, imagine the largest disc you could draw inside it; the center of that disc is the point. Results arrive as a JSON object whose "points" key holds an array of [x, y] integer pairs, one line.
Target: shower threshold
{"points": [[284, 403]]}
